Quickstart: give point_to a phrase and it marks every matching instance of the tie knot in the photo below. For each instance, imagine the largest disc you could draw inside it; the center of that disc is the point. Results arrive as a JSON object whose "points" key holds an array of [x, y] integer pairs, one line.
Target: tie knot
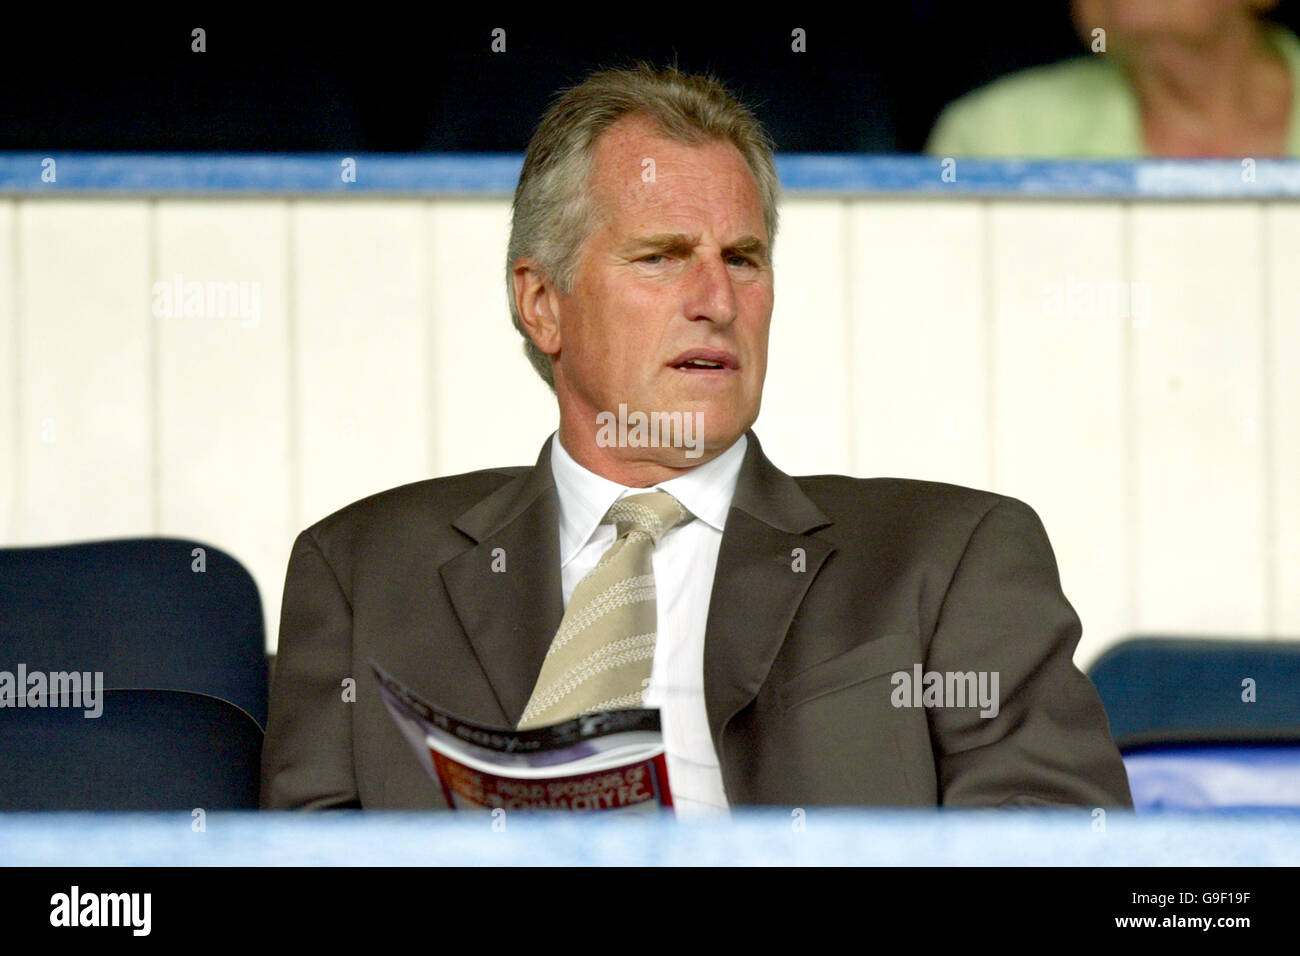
{"points": [[654, 513]]}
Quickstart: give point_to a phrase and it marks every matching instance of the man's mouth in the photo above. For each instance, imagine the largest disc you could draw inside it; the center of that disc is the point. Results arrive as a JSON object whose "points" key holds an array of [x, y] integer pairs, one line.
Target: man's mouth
{"points": [[705, 361]]}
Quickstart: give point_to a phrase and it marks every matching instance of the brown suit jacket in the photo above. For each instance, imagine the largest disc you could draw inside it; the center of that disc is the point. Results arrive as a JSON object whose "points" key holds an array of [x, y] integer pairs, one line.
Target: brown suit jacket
{"points": [[797, 662]]}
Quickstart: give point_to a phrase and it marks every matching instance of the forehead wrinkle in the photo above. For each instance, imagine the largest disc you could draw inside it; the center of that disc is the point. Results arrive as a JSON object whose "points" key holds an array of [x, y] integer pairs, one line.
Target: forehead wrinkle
{"points": [[624, 202]]}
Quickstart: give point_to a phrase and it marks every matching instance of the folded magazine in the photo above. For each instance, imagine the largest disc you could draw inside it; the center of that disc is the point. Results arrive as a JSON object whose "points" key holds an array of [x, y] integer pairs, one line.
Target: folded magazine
{"points": [[611, 761]]}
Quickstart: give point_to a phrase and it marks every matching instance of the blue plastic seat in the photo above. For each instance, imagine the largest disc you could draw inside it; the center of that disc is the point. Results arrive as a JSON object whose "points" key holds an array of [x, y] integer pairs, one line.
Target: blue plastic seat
{"points": [[147, 750], [1205, 723], [1163, 685], [138, 611]]}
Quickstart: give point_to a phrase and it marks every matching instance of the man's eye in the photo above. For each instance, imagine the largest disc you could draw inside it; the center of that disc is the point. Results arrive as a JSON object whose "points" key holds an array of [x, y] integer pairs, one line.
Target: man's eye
{"points": [[653, 255], [744, 260]]}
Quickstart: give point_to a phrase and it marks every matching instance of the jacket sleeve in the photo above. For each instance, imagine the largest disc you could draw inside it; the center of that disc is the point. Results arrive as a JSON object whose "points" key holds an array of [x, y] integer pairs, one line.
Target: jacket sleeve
{"points": [[307, 757], [1049, 741]]}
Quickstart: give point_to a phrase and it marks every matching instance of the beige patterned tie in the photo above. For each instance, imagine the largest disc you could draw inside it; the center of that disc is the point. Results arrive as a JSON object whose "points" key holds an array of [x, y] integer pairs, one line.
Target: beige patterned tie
{"points": [[601, 657]]}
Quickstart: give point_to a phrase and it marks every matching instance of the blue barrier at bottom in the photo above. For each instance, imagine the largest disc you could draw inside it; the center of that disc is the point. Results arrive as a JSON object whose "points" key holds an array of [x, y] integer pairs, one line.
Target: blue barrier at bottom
{"points": [[1015, 837]]}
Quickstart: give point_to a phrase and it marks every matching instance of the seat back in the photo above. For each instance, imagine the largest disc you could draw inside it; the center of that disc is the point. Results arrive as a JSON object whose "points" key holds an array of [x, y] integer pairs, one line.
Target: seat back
{"points": [[146, 750], [1169, 685], [139, 610]]}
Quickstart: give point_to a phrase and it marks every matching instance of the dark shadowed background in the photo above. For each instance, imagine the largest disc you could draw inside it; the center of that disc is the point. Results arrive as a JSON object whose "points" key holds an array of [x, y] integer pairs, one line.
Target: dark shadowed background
{"points": [[870, 82]]}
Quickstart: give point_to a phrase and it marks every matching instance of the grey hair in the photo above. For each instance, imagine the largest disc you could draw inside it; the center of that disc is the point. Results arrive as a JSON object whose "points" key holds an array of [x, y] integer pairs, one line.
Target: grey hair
{"points": [[552, 215]]}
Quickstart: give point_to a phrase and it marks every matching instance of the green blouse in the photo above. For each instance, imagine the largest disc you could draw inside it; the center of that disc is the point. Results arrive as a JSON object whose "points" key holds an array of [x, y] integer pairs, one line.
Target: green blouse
{"points": [[1083, 107]]}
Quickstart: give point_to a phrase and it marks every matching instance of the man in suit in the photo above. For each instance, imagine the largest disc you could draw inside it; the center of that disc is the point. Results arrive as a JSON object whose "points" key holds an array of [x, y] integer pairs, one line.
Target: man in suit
{"points": [[787, 624]]}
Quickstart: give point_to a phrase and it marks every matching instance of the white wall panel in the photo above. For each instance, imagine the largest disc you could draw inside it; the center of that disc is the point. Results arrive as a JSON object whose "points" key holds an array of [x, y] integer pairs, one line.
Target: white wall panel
{"points": [[10, 374], [218, 298], [1282, 271], [492, 408], [1198, 400], [806, 423], [1059, 394], [360, 315], [918, 309], [87, 393]]}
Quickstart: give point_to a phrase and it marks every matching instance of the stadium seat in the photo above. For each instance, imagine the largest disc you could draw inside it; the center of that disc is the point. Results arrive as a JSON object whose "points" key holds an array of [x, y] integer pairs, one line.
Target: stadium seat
{"points": [[1205, 723], [1152, 687], [147, 612], [147, 750]]}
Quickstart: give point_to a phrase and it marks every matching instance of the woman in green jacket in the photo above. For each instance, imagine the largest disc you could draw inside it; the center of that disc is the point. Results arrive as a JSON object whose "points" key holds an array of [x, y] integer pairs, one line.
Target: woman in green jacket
{"points": [[1165, 78]]}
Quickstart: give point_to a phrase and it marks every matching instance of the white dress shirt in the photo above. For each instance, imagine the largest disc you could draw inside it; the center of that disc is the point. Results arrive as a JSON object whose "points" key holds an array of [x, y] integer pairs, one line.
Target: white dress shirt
{"points": [[684, 563]]}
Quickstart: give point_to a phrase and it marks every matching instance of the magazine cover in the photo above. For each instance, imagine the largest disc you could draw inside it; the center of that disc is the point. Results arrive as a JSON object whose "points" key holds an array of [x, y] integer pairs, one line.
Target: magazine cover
{"points": [[607, 761]]}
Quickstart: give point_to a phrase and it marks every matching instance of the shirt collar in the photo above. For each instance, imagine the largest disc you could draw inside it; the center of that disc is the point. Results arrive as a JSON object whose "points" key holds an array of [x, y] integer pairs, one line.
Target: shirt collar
{"points": [[585, 497]]}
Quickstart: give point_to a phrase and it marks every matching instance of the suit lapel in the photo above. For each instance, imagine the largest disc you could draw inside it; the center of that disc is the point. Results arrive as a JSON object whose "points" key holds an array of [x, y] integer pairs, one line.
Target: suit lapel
{"points": [[756, 590], [511, 616]]}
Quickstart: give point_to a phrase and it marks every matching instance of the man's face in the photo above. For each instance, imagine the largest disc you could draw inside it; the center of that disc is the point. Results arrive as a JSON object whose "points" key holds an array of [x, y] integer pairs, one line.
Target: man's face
{"points": [[678, 266]]}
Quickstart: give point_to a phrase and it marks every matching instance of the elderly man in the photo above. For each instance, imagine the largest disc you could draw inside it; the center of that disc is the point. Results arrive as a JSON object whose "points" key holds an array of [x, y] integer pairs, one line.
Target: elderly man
{"points": [[803, 638]]}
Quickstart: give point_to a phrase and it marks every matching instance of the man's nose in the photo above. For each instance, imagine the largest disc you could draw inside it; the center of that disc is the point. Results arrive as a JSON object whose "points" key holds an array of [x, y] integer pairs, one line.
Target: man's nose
{"points": [[712, 295]]}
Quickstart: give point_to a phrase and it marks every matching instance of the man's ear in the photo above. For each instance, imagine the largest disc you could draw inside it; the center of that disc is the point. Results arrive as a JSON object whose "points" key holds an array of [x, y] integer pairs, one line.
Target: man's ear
{"points": [[538, 305]]}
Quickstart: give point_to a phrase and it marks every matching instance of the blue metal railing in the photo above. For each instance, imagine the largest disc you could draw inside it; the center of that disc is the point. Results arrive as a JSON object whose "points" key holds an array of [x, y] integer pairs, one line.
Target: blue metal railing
{"points": [[494, 174]]}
